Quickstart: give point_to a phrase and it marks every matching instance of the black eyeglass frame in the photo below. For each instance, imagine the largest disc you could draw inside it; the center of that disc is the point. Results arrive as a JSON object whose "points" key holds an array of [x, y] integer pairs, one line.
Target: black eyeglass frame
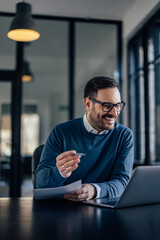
{"points": [[112, 104]]}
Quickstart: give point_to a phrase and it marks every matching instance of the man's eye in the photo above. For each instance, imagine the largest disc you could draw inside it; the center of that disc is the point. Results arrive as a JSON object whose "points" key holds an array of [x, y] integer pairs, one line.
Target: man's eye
{"points": [[108, 106], [118, 106]]}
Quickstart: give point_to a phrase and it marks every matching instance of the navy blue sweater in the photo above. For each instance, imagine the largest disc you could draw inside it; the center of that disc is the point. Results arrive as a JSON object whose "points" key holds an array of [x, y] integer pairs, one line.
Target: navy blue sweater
{"points": [[108, 161]]}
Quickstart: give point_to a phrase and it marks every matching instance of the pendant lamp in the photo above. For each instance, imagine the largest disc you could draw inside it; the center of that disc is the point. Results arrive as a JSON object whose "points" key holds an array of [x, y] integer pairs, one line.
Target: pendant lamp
{"points": [[23, 28], [27, 75]]}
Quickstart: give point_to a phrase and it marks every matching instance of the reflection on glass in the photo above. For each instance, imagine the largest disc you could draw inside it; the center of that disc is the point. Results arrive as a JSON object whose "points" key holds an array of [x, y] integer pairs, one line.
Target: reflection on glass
{"points": [[158, 42], [29, 133], [142, 116], [152, 127], [157, 110], [5, 135], [131, 61], [141, 57], [137, 102], [150, 50]]}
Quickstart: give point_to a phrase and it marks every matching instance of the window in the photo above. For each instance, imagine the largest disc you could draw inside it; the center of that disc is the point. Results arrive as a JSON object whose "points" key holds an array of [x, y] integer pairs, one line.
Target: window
{"points": [[5, 135], [144, 88], [29, 130], [137, 105]]}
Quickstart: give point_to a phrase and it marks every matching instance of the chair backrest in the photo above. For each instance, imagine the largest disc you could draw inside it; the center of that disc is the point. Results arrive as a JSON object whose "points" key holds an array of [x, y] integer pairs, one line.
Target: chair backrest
{"points": [[35, 160]]}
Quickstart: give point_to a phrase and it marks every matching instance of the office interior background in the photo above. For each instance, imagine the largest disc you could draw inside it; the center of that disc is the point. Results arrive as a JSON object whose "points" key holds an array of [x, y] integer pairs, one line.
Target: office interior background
{"points": [[78, 40]]}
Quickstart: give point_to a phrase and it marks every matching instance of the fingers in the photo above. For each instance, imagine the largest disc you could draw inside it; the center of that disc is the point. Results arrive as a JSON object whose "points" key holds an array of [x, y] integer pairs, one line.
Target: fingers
{"points": [[67, 162], [85, 193], [66, 154], [67, 171], [76, 197]]}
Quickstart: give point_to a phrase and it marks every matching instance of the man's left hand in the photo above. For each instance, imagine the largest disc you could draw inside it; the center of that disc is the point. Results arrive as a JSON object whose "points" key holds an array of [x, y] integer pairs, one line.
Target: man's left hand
{"points": [[86, 192]]}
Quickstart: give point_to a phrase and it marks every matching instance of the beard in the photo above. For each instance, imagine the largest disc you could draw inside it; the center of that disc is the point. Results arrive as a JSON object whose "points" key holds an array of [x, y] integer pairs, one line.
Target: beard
{"points": [[102, 122]]}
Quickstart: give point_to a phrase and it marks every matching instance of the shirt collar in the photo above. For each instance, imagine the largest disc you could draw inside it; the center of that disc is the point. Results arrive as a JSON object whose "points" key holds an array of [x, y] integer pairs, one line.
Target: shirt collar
{"points": [[89, 127]]}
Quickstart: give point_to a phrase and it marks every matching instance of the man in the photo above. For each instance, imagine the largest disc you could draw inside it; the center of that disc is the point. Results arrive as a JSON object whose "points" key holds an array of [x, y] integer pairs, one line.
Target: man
{"points": [[107, 165]]}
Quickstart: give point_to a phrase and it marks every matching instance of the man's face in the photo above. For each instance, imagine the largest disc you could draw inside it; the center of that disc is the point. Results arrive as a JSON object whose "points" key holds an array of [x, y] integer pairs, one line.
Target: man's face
{"points": [[99, 119]]}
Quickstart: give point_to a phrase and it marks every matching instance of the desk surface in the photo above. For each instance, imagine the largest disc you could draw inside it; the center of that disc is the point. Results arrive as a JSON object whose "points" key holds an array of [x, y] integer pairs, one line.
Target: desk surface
{"points": [[27, 219]]}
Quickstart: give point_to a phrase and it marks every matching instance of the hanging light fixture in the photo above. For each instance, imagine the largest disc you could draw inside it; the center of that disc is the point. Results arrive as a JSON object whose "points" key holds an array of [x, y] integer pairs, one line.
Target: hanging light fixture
{"points": [[23, 28], [27, 75]]}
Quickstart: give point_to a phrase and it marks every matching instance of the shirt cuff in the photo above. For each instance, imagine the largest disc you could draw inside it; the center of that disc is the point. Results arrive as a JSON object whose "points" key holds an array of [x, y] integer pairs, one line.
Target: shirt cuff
{"points": [[98, 190], [61, 174]]}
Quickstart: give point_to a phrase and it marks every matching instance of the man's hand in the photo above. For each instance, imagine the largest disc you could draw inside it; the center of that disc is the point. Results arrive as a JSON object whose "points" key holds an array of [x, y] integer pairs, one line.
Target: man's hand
{"points": [[67, 162], [85, 193]]}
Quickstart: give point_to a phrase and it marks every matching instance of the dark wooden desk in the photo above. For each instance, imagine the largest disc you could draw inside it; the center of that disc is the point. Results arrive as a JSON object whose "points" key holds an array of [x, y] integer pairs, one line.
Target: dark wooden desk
{"points": [[28, 219]]}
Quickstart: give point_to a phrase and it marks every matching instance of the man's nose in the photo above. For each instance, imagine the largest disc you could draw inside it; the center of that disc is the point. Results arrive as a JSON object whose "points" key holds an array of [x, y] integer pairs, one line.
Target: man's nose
{"points": [[113, 111]]}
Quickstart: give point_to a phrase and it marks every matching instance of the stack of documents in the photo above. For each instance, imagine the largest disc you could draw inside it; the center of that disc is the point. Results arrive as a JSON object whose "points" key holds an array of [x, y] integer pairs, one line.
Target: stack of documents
{"points": [[57, 192]]}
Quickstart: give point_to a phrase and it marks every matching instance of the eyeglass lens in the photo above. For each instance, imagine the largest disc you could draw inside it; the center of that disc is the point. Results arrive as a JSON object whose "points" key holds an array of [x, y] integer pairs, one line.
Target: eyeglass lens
{"points": [[109, 106]]}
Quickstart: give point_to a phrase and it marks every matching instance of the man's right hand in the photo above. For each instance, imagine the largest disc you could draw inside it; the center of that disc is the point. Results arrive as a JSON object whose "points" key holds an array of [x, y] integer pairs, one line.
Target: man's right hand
{"points": [[67, 162]]}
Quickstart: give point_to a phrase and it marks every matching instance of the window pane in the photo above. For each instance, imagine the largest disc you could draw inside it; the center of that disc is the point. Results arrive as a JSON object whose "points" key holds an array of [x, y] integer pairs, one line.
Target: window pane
{"points": [[48, 58], [137, 101], [137, 115], [152, 127], [5, 138], [157, 109], [96, 54], [29, 133], [150, 50], [141, 57]]}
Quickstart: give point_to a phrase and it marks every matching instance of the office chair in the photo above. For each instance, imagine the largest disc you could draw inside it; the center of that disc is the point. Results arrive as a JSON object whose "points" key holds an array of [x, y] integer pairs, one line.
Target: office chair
{"points": [[35, 160]]}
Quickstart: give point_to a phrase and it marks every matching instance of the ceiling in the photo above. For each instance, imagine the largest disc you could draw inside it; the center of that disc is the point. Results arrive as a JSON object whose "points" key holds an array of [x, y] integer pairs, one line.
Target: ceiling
{"points": [[106, 9]]}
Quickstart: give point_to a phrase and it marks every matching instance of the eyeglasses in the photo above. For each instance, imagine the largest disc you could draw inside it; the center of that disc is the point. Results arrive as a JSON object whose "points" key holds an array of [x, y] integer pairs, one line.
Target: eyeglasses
{"points": [[107, 106]]}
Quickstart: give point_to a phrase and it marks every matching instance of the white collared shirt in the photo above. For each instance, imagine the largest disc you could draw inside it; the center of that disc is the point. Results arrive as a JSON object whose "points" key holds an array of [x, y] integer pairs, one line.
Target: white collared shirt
{"points": [[90, 129]]}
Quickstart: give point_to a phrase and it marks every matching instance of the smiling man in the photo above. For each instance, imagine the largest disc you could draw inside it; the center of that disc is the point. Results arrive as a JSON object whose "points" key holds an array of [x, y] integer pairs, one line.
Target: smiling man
{"points": [[108, 146]]}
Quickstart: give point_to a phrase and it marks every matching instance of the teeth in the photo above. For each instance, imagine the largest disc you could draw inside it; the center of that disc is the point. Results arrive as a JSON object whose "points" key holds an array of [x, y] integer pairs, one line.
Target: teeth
{"points": [[111, 119]]}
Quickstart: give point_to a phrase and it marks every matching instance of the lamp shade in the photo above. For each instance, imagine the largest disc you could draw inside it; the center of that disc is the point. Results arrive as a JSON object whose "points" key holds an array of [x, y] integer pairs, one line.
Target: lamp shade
{"points": [[23, 27], [27, 75]]}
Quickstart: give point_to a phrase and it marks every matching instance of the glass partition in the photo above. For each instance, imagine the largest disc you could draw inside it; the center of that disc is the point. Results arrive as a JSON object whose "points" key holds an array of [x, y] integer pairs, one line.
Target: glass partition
{"points": [[5, 138], [48, 59], [96, 55]]}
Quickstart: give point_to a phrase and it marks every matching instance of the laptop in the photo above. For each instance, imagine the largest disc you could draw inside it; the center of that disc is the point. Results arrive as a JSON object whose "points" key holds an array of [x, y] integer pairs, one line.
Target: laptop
{"points": [[142, 189]]}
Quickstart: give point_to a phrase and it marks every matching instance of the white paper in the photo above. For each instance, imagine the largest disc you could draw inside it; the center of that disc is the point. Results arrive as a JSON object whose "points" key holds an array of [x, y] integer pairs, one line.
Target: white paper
{"points": [[56, 192]]}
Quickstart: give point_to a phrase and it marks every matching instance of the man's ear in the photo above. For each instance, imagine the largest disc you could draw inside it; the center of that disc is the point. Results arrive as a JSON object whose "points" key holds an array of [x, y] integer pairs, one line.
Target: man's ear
{"points": [[87, 103]]}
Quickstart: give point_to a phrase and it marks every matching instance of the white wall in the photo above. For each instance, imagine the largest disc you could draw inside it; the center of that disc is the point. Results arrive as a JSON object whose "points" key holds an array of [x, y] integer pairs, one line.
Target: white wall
{"points": [[134, 18]]}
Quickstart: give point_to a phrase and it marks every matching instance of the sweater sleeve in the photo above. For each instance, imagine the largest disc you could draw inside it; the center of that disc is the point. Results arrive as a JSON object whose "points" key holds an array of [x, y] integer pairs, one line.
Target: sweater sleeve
{"points": [[122, 169], [47, 174]]}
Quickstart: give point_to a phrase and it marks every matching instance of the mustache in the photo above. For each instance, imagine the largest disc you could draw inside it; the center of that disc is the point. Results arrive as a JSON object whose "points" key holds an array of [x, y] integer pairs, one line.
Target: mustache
{"points": [[108, 115]]}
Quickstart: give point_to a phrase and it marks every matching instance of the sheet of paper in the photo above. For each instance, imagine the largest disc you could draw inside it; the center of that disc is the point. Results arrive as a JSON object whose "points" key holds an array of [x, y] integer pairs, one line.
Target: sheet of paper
{"points": [[57, 192]]}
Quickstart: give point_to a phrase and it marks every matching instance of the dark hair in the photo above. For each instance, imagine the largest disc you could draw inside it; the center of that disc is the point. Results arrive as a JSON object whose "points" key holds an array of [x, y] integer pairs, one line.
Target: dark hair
{"points": [[96, 83]]}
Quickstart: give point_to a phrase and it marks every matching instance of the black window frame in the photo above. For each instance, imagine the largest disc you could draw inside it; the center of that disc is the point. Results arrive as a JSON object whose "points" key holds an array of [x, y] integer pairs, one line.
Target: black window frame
{"points": [[149, 28]]}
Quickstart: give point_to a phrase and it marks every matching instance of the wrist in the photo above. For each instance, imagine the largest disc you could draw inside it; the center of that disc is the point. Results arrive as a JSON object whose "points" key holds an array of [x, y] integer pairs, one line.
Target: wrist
{"points": [[95, 192]]}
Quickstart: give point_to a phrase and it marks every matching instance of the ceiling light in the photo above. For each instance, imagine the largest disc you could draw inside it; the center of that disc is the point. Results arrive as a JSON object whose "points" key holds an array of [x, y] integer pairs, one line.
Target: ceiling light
{"points": [[27, 75], [23, 28]]}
